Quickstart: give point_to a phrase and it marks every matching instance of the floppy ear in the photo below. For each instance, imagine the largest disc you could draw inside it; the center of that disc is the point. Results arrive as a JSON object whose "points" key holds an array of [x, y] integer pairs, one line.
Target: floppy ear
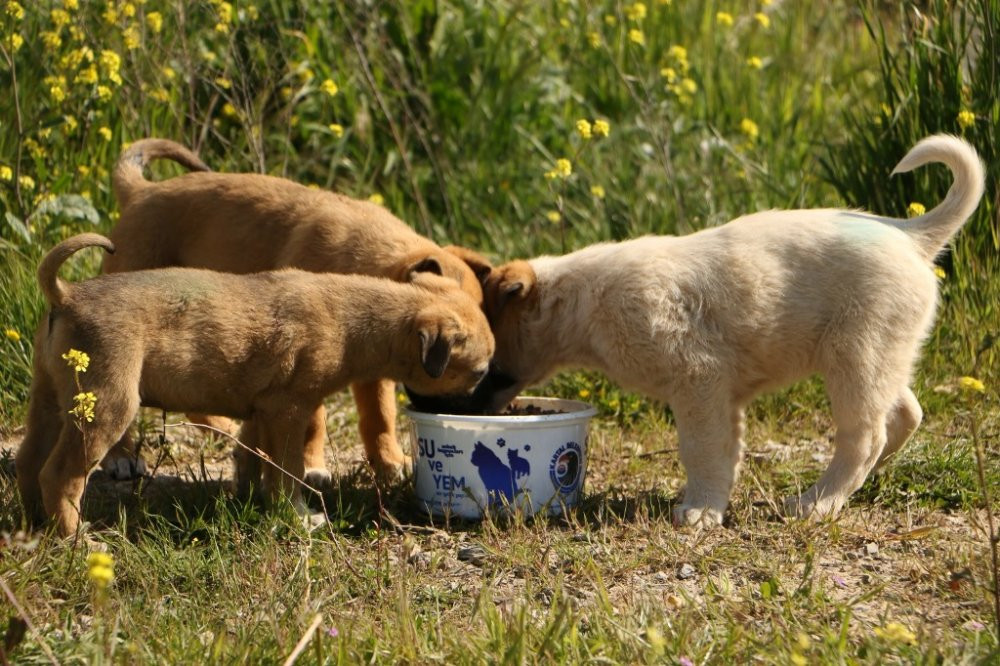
{"points": [[435, 351], [479, 264], [515, 280], [425, 265]]}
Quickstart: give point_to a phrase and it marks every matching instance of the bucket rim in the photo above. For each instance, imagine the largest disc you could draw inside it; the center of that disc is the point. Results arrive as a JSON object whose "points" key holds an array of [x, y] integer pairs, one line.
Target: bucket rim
{"points": [[573, 410]]}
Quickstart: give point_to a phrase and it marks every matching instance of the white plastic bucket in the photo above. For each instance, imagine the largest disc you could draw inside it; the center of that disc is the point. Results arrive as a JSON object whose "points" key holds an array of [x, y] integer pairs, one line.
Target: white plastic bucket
{"points": [[466, 465]]}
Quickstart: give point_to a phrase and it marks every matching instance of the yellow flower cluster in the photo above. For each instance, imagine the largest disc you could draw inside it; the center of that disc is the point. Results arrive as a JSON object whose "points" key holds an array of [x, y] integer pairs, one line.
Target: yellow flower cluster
{"points": [[750, 129], [597, 191], [14, 10], [601, 128], [896, 632], [762, 19], [915, 209], [971, 384], [85, 401], [155, 22], [553, 216], [6, 173], [754, 62], [336, 130], [583, 128], [637, 37], [100, 569], [966, 118], [12, 334], [77, 360], [725, 19], [329, 87], [377, 199], [635, 11], [563, 170]]}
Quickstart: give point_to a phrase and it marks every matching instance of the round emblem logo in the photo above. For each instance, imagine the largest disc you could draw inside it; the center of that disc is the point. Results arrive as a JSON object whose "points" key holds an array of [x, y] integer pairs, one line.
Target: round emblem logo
{"points": [[566, 467]]}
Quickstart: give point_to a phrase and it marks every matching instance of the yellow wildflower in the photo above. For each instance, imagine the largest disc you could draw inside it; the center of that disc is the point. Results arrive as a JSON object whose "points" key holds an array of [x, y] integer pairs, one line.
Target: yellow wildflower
{"points": [[594, 38], [225, 11], [110, 14], [971, 384], [105, 133], [755, 62], [601, 128], [155, 22], [749, 128], [51, 39], [896, 632], [57, 93], [584, 393], [100, 569], [60, 17], [228, 110], [597, 191], [70, 123], [83, 170], [636, 11], [87, 75], [128, 9], [583, 128], [223, 83], [84, 407], [966, 118], [160, 94], [15, 10], [610, 20], [689, 86], [553, 216], [15, 42], [939, 273], [77, 360], [329, 87], [110, 62], [564, 22], [6, 173], [71, 4], [131, 38], [678, 53], [797, 659], [564, 167], [724, 19], [27, 182], [762, 19], [253, 13], [12, 334], [636, 37], [169, 73], [104, 94], [915, 209], [377, 199], [669, 73], [337, 130]]}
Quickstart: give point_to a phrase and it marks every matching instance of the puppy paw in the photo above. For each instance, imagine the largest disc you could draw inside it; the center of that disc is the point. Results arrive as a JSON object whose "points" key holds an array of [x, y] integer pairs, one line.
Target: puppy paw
{"points": [[808, 507], [388, 473], [124, 468], [319, 478], [697, 516]]}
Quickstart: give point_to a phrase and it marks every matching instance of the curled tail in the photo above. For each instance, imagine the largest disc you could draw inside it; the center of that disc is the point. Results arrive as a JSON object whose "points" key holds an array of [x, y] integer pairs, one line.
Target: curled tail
{"points": [[52, 287], [934, 229], [128, 172]]}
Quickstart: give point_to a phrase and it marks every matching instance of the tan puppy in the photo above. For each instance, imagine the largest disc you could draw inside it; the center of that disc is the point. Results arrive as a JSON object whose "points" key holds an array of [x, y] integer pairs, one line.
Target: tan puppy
{"points": [[267, 347], [244, 223], [706, 322]]}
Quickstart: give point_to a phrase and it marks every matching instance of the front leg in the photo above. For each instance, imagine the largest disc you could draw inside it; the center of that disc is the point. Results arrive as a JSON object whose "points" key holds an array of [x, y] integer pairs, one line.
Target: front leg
{"points": [[711, 449], [376, 402]]}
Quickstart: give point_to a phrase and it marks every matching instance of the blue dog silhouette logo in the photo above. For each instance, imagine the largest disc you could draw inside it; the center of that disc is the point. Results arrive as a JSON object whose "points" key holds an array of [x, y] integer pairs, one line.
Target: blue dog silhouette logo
{"points": [[499, 479], [566, 467]]}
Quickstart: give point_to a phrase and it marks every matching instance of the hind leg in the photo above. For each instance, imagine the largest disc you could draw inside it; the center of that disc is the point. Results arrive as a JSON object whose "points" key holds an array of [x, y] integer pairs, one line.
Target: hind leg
{"points": [[711, 449], [283, 433], [904, 418], [79, 449], [861, 402], [317, 475], [248, 463], [43, 428]]}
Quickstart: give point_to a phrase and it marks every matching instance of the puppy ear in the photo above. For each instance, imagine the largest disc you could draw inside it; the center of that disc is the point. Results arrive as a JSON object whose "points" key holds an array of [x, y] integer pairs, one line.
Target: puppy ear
{"points": [[425, 265], [435, 351], [515, 280], [479, 264]]}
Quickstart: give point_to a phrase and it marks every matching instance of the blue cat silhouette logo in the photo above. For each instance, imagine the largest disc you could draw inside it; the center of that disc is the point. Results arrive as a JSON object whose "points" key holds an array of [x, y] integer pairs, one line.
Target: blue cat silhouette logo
{"points": [[566, 467], [499, 479]]}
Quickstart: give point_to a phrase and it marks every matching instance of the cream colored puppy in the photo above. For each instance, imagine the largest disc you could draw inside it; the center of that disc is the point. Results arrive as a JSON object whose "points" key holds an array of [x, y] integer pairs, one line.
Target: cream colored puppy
{"points": [[266, 347], [706, 322]]}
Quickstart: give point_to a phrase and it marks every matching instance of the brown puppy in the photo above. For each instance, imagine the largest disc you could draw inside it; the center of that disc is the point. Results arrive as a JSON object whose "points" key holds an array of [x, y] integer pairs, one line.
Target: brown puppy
{"points": [[266, 347], [245, 223]]}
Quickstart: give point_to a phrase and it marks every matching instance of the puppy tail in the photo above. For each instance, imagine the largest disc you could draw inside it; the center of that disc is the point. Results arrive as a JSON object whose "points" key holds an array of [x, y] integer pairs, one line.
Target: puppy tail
{"points": [[128, 177], [53, 288], [934, 229]]}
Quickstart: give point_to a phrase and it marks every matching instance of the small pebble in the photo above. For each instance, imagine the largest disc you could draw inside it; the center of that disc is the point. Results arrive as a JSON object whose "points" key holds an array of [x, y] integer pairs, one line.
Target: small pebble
{"points": [[686, 571]]}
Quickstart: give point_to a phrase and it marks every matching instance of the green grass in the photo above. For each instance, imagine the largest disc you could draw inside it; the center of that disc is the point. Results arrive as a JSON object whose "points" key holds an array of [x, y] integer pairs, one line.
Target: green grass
{"points": [[452, 112]]}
